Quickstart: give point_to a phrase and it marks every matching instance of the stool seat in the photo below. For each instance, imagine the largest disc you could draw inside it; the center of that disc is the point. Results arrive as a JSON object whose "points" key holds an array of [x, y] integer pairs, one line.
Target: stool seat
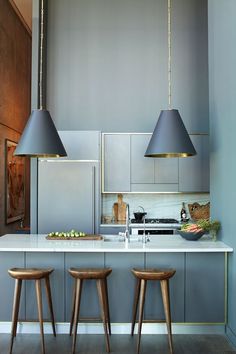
{"points": [[153, 274], [89, 273], [29, 273]]}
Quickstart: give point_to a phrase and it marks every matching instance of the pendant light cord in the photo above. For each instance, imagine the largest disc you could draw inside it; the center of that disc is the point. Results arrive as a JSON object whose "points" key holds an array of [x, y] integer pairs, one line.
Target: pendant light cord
{"points": [[41, 56], [169, 54]]}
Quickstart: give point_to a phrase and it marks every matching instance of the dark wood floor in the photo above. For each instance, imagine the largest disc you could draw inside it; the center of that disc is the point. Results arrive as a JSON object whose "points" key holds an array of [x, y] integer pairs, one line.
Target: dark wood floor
{"points": [[120, 344]]}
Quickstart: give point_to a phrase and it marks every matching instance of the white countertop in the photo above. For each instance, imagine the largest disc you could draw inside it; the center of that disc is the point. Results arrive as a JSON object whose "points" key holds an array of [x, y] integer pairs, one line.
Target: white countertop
{"points": [[160, 243]]}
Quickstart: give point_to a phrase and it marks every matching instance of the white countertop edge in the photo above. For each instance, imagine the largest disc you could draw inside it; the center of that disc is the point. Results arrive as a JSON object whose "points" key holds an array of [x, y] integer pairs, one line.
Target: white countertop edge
{"points": [[160, 244], [119, 250]]}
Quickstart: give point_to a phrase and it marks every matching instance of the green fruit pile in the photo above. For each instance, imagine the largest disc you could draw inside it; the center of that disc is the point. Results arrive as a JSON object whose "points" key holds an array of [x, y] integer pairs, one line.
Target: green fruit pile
{"points": [[72, 233]]}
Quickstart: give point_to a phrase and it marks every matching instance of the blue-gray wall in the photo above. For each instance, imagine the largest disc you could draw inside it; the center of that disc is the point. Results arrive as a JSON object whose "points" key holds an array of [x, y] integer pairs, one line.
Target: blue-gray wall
{"points": [[107, 63], [222, 93]]}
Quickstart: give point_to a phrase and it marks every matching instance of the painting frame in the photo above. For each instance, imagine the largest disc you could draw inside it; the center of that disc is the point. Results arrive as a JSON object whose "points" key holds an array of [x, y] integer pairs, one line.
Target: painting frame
{"points": [[14, 184]]}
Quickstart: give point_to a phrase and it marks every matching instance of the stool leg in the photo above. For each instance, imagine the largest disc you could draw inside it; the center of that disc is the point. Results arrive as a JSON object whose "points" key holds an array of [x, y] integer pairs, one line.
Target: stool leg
{"points": [[73, 308], [101, 296], [135, 306], [107, 305], [141, 307], [16, 304], [49, 298], [76, 311], [166, 303], [40, 311]]}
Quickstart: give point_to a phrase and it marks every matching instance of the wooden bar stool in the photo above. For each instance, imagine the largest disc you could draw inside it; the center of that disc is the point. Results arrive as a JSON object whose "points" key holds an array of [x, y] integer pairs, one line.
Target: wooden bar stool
{"points": [[100, 275], [142, 275], [36, 274]]}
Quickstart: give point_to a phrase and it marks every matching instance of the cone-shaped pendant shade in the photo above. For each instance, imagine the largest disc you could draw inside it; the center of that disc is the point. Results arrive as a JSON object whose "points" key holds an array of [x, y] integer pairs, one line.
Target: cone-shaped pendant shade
{"points": [[170, 137], [40, 137]]}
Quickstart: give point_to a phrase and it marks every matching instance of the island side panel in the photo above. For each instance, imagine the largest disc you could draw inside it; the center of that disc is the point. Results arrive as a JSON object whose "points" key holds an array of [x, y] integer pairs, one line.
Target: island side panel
{"points": [[89, 306], [46, 260], [7, 284], [153, 303], [205, 287], [121, 284]]}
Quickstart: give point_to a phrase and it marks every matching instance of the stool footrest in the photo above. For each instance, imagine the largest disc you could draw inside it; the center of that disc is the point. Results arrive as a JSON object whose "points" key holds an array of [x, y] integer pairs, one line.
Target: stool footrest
{"points": [[86, 319], [153, 321]]}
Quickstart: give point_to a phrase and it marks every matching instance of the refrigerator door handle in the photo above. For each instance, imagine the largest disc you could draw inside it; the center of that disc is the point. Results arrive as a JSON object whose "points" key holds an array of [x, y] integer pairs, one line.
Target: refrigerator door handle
{"points": [[93, 199]]}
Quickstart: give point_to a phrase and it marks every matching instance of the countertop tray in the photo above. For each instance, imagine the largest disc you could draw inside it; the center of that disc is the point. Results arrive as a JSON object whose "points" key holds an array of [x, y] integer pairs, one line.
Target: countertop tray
{"points": [[79, 238]]}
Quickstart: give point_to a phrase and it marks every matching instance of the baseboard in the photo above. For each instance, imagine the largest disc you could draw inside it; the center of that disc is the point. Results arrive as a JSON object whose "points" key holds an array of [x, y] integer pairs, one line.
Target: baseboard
{"points": [[231, 335], [117, 328]]}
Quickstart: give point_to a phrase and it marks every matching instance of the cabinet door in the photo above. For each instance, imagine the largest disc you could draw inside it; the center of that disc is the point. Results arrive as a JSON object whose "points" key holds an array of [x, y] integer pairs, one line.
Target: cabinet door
{"points": [[121, 284], [57, 282], [167, 170], [153, 304], [7, 284], [109, 230], [116, 163], [205, 287], [194, 171], [89, 307], [142, 168]]}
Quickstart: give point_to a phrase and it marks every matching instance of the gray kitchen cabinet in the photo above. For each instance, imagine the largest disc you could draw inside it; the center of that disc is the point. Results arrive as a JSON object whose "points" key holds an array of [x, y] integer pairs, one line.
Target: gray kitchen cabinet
{"points": [[151, 174], [67, 196], [194, 171], [197, 290], [44, 260], [111, 230], [205, 288], [127, 170], [89, 297], [142, 168], [167, 171], [154, 187], [116, 163], [7, 284], [153, 304], [121, 284]]}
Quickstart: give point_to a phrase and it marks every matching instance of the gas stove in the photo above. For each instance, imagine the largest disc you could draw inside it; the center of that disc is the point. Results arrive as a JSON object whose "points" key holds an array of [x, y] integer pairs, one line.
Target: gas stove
{"points": [[155, 221], [154, 226]]}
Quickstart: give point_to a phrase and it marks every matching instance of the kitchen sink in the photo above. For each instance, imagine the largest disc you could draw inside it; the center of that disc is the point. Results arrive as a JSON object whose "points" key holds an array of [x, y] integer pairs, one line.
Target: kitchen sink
{"points": [[117, 238]]}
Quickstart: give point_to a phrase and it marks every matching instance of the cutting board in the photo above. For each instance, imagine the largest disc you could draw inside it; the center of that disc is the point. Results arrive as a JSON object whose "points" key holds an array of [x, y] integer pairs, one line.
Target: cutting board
{"points": [[119, 209], [81, 238]]}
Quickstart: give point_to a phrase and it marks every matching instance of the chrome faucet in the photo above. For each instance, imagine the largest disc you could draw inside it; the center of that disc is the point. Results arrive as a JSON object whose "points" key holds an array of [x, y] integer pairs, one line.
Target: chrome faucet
{"points": [[145, 237], [127, 229]]}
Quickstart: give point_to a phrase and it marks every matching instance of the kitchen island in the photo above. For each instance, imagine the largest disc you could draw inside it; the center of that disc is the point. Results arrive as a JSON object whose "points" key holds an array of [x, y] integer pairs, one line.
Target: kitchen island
{"points": [[198, 290]]}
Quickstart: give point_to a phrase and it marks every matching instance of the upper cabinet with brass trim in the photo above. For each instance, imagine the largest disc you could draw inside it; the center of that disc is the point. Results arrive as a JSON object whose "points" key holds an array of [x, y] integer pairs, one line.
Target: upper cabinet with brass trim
{"points": [[125, 169], [194, 171]]}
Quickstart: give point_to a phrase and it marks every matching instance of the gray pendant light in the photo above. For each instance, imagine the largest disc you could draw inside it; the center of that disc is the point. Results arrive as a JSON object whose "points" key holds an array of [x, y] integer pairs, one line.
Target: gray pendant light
{"points": [[170, 137], [40, 137]]}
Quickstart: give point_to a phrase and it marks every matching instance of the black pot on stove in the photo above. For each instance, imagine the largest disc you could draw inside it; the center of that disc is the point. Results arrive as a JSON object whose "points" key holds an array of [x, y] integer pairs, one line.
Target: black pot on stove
{"points": [[138, 215]]}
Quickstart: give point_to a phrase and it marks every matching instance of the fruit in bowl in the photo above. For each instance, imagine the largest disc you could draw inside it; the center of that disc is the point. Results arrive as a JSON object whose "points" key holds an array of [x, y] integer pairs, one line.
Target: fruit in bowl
{"points": [[191, 232]]}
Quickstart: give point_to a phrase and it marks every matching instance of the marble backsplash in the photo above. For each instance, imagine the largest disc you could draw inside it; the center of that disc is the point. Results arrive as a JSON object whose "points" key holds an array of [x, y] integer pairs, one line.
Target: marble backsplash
{"points": [[156, 205]]}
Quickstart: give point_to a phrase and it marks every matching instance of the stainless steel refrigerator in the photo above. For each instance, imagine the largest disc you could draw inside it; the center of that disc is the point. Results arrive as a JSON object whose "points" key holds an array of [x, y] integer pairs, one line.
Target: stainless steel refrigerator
{"points": [[68, 196]]}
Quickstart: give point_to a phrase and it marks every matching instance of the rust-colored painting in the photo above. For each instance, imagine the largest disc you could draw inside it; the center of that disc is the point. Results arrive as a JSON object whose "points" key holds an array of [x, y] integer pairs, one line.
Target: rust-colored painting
{"points": [[15, 184]]}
